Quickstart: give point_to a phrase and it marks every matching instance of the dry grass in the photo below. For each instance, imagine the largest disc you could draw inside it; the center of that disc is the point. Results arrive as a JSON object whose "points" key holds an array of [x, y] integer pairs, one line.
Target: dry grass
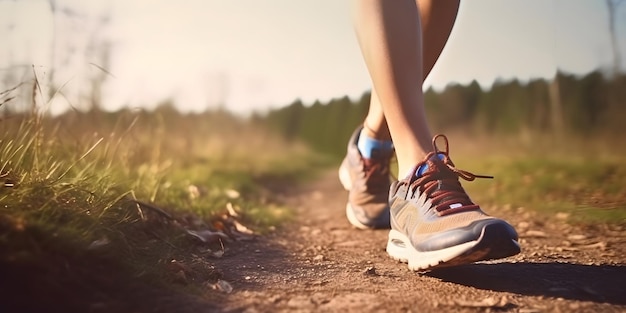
{"points": [[70, 188]]}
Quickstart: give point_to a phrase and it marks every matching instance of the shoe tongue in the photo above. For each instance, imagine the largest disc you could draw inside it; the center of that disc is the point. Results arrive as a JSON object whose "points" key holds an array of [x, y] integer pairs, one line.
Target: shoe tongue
{"points": [[424, 167], [441, 184]]}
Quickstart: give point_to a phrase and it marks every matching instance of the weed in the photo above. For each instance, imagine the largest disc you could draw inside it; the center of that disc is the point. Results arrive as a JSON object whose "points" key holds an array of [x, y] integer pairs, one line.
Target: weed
{"points": [[120, 189]]}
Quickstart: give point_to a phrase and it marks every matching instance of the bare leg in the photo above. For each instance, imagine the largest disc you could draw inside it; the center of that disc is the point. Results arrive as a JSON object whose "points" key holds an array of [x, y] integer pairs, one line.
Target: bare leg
{"points": [[390, 34]]}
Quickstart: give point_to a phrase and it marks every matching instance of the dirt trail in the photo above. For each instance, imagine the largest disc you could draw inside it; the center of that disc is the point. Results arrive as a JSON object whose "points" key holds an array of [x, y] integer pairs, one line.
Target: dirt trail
{"points": [[319, 263]]}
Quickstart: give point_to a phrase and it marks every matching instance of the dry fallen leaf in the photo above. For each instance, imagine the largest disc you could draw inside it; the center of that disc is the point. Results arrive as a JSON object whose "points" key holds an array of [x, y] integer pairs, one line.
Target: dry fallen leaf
{"points": [[208, 236], [231, 210], [194, 191], [370, 270], [231, 193], [217, 254], [576, 237], [218, 225], [562, 215], [535, 233], [598, 245], [223, 286], [242, 229], [99, 243]]}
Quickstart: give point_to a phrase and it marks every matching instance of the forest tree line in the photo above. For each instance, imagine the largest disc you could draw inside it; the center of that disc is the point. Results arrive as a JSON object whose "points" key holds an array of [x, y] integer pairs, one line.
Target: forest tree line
{"points": [[567, 105]]}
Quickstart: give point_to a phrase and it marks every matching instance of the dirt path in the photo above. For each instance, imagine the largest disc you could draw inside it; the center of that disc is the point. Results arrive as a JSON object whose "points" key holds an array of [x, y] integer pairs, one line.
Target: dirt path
{"points": [[321, 264]]}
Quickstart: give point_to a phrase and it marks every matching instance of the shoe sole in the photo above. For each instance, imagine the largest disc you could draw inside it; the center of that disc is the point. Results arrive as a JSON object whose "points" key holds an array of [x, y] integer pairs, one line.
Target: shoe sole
{"points": [[494, 243], [346, 182], [353, 220]]}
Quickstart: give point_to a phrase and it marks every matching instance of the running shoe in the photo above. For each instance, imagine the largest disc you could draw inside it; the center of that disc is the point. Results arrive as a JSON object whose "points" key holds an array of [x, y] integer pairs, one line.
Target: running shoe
{"points": [[368, 181], [434, 223]]}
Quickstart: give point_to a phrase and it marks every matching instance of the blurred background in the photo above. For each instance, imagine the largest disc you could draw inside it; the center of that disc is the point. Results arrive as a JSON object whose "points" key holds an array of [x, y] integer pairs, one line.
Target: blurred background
{"points": [[113, 108], [511, 67]]}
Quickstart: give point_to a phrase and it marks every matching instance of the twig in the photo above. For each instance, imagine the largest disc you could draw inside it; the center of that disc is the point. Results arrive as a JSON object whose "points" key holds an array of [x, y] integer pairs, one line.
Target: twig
{"points": [[154, 208], [10, 89]]}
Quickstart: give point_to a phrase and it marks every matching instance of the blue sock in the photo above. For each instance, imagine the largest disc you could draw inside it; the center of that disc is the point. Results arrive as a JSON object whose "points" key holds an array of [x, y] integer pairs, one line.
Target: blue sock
{"points": [[424, 168], [367, 145]]}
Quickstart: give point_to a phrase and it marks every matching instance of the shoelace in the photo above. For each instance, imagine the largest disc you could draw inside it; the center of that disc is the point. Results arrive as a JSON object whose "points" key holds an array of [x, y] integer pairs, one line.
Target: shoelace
{"points": [[441, 182]]}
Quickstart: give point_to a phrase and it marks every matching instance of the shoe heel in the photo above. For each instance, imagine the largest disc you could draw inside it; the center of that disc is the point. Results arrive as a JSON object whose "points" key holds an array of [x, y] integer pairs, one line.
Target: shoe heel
{"points": [[344, 177]]}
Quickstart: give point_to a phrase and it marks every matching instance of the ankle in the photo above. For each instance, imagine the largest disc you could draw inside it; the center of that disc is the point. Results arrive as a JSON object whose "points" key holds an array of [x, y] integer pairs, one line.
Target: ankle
{"points": [[378, 133], [408, 165], [369, 146]]}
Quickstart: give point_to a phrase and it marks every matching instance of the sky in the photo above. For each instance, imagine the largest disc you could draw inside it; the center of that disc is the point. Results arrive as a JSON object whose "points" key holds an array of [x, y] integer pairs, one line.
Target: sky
{"points": [[251, 55]]}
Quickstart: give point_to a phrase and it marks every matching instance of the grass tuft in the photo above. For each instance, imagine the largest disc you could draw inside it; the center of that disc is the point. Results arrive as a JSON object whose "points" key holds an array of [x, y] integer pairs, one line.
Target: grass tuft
{"points": [[123, 187], [581, 178]]}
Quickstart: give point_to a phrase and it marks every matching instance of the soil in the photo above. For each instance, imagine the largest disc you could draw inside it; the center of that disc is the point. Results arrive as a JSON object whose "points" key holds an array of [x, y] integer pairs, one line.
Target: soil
{"points": [[320, 263]]}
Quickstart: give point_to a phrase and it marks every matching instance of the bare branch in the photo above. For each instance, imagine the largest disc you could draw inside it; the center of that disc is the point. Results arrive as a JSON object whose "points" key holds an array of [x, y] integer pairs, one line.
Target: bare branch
{"points": [[102, 69]]}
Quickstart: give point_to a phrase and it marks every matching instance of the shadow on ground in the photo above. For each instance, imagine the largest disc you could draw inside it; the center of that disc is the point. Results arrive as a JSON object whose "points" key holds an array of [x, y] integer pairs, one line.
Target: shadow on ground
{"points": [[597, 283], [86, 284]]}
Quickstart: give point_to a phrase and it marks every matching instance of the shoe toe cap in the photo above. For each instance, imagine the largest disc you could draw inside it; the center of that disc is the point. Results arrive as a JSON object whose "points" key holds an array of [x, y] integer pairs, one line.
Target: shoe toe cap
{"points": [[499, 229]]}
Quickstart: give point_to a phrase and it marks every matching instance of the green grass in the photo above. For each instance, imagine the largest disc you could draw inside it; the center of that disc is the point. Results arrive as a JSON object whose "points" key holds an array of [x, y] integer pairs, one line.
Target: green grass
{"points": [[69, 182], [588, 188], [582, 178], [195, 167]]}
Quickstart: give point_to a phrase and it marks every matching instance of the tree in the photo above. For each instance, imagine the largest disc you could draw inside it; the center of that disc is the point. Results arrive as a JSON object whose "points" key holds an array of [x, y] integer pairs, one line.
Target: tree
{"points": [[612, 6], [556, 106], [78, 43]]}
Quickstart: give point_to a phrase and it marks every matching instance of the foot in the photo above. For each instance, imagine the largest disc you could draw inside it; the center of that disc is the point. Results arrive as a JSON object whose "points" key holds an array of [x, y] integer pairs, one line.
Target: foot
{"points": [[435, 224], [368, 181]]}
